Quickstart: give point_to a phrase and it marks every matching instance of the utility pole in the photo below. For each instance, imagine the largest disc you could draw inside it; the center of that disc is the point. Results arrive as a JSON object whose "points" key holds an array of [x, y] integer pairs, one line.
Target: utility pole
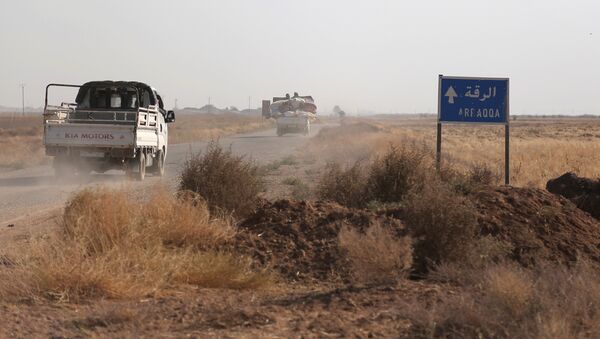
{"points": [[209, 100], [23, 99], [175, 107], [249, 102]]}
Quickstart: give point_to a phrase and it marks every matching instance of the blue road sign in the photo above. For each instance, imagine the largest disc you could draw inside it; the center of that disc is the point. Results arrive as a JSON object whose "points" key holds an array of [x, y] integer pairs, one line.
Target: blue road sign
{"points": [[473, 100]]}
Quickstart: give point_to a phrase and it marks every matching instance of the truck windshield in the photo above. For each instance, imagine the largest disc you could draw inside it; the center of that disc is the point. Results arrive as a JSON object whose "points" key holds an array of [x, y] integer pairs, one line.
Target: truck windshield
{"points": [[109, 98]]}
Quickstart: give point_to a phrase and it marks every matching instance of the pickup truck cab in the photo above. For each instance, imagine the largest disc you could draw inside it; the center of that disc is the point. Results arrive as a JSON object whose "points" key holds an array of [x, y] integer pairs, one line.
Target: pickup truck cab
{"points": [[111, 125]]}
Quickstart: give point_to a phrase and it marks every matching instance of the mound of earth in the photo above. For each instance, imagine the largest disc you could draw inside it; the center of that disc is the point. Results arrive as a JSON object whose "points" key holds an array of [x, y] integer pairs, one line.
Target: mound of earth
{"points": [[540, 225], [583, 192], [300, 239]]}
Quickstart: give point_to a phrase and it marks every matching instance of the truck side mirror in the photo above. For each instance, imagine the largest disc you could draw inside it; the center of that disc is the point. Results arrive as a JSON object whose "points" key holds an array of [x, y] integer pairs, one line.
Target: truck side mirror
{"points": [[170, 117]]}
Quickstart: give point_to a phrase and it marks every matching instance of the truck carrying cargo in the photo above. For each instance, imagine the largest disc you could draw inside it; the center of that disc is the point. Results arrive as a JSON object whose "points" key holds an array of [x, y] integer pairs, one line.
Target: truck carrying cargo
{"points": [[293, 114], [111, 125]]}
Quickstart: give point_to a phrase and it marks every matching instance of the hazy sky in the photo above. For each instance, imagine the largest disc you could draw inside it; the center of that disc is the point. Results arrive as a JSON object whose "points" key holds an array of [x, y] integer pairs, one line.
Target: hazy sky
{"points": [[379, 55]]}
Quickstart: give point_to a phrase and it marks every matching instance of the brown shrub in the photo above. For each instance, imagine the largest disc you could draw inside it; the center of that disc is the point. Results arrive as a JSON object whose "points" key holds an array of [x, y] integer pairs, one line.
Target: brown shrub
{"points": [[346, 186], [376, 256], [111, 246], [442, 221], [483, 175], [228, 183], [396, 173], [475, 178]]}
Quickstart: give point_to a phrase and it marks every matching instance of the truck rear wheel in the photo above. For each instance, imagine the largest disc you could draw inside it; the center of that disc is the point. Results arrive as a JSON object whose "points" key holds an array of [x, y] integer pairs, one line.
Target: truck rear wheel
{"points": [[158, 167], [141, 166]]}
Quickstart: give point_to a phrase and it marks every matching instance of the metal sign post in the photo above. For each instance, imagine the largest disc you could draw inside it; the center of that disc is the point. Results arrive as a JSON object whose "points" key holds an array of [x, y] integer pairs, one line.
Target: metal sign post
{"points": [[468, 100]]}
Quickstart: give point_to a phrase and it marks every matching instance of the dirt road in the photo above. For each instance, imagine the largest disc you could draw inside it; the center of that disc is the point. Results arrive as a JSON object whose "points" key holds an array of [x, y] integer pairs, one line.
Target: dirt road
{"points": [[34, 193]]}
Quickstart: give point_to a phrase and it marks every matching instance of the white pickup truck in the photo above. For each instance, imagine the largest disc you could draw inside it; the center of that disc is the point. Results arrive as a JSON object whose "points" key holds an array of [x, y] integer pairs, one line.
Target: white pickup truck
{"points": [[111, 125]]}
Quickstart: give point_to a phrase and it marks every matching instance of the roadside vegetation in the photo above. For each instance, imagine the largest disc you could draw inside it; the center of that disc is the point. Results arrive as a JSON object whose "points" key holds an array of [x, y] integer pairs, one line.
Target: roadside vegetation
{"points": [[541, 148], [494, 296], [230, 184], [112, 246]]}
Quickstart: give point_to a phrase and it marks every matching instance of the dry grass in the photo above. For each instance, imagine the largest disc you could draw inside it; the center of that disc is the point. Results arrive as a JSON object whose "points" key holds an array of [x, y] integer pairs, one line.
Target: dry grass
{"points": [[541, 148], [444, 223], [112, 246], [396, 173], [229, 183], [190, 128], [387, 179], [377, 256]]}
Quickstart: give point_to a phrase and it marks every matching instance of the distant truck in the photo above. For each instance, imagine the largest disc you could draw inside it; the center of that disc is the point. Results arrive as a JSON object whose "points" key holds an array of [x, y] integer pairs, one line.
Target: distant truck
{"points": [[293, 114], [111, 125]]}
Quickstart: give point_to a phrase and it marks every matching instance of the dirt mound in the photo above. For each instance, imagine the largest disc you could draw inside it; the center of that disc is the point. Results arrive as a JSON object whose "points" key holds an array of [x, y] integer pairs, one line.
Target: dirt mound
{"points": [[584, 192], [300, 239], [540, 225]]}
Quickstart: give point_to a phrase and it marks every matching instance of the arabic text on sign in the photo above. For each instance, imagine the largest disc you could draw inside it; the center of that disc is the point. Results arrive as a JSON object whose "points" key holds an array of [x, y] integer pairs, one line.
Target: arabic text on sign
{"points": [[476, 94]]}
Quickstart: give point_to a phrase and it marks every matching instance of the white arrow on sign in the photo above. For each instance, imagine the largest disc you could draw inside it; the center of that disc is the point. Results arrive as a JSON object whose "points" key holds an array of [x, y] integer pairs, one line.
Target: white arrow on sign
{"points": [[451, 94]]}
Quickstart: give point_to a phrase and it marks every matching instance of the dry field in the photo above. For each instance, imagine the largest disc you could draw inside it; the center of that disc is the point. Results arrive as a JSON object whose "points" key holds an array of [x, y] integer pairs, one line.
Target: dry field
{"points": [[382, 247], [21, 138], [21, 142], [541, 148]]}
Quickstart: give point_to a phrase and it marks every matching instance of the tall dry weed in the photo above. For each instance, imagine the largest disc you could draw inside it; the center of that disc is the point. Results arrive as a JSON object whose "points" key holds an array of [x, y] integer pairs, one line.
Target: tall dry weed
{"points": [[442, 222], [393, 175], [229, 183], [346, 186]]}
